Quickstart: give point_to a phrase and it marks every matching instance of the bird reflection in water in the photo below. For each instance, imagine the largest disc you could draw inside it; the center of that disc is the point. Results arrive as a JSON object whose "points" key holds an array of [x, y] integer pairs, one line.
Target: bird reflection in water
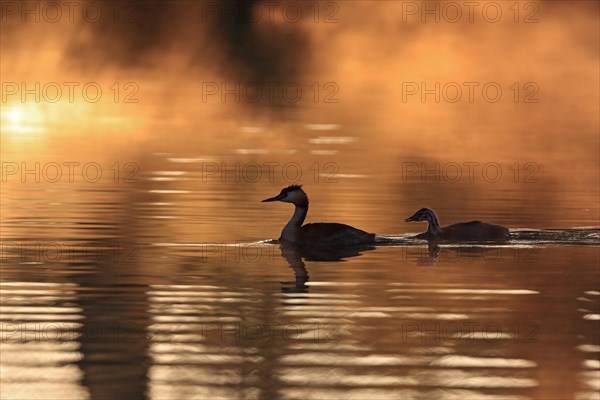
{"points": [[432, 256], [295, 256], [460, 253]]}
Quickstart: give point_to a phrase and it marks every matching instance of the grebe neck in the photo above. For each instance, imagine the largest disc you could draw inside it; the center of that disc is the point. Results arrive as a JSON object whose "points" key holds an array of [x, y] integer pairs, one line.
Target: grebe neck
{"points": [[291, 231], [433, 227]]}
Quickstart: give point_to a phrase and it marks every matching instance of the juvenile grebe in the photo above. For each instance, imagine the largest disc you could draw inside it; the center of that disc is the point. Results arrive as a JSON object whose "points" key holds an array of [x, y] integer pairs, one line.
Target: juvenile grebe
{"points": [[469, 231], [316, 234]]}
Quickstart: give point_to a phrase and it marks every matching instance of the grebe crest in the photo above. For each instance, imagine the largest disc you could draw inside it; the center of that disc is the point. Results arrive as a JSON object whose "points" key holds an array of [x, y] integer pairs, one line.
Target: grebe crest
{"points": [[291, 194], [316, 234]]}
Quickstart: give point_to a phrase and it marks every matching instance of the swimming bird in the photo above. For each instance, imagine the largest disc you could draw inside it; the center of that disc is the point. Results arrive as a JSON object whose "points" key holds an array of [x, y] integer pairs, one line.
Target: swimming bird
{"points": [[463, 231], [316, 234]]}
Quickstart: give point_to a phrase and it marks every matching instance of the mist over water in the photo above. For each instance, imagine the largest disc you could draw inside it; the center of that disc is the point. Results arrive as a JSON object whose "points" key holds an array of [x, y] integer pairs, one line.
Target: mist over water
{"points": [[138, 139]]}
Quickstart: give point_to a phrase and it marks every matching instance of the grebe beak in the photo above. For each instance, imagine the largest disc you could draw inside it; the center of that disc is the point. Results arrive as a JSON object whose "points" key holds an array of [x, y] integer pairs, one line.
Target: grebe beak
{"points": [[276, 198], [409, 219]]}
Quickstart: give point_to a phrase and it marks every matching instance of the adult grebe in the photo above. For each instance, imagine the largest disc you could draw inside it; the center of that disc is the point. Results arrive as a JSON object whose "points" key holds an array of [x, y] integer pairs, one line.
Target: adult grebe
{"points": [[468, 231], [317, 234]]}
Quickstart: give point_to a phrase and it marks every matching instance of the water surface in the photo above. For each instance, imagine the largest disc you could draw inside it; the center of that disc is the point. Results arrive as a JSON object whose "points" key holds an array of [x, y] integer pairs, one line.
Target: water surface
{"points": [[169, 287]]}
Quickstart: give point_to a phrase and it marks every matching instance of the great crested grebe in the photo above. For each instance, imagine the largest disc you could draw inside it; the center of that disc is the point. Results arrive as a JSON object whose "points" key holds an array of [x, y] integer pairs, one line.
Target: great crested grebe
{"points": [[468, 231], [316, 234]]}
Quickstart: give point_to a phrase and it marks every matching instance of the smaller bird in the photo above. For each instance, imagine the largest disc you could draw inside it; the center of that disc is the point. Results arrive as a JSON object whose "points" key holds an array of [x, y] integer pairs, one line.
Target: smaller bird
{"points": [[463, 231], [317, 234]]}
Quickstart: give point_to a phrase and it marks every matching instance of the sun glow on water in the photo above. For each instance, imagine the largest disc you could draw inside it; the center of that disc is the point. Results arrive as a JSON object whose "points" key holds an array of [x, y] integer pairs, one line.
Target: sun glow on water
{"points": [[32, 121], [25, 119]]}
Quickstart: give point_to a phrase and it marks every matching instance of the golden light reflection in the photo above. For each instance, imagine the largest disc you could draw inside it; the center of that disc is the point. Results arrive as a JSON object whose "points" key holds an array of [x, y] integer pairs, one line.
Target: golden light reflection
{"points": [[33, 122], [21, 120], [39, 348]]}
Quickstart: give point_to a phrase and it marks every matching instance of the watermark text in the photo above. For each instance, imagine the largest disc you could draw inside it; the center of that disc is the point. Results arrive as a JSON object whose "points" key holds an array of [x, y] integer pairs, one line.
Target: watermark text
{"points": [[67, 172], [470, 171], [53, 92]]}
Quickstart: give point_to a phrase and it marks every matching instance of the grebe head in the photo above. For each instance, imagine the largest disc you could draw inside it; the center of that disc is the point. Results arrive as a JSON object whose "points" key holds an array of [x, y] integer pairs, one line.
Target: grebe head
{"points": [[424, 214], [291, 194]]}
